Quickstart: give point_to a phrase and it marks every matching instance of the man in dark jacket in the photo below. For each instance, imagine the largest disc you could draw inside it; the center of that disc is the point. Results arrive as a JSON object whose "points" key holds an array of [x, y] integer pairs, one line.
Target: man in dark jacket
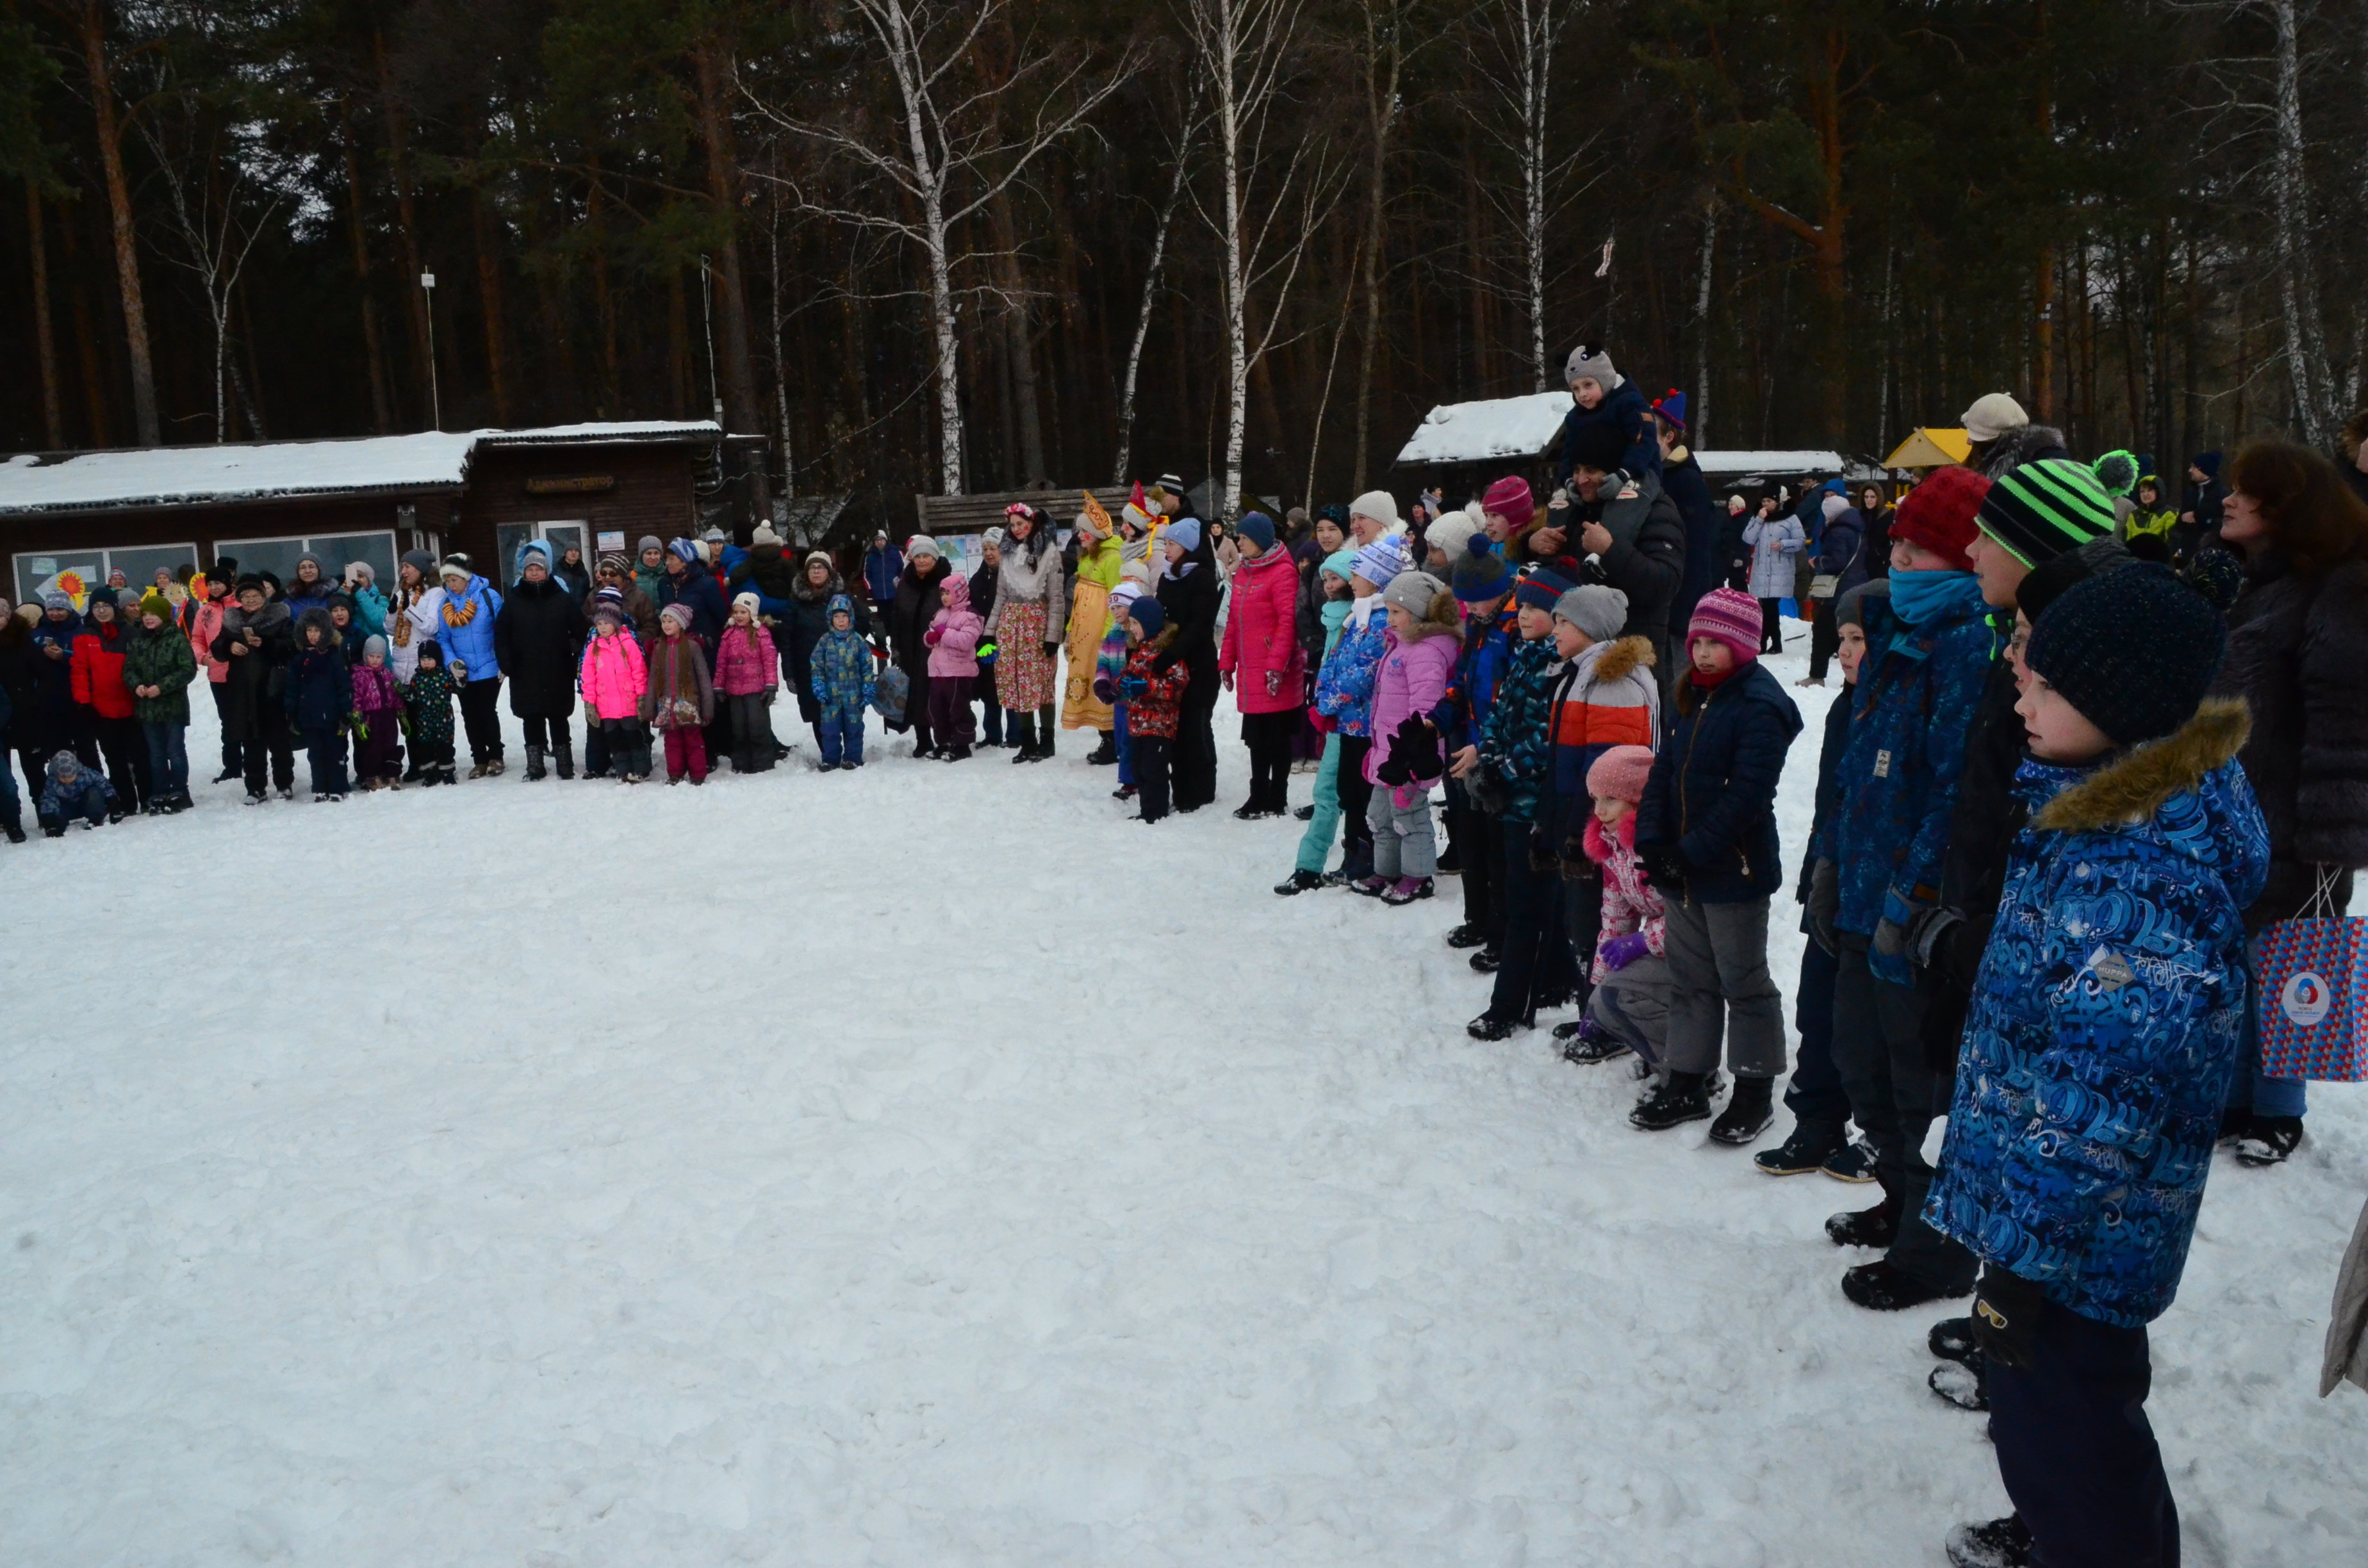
{"points": [[1681, 477], [767, 572], [1842, 556], [1636, 539], [883, 563], [256, 640], [2199, 522], [539, 640]]}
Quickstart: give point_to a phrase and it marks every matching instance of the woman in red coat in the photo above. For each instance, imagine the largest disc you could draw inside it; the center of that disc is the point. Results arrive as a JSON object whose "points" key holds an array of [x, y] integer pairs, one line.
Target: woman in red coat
{"points": [[1262, 664]]}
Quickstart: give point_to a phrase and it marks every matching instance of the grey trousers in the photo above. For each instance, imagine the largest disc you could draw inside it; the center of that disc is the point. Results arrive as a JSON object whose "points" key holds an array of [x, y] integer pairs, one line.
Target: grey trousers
{"points": [[1633, 1004], [1403, 843], [1879, 1053], [1719, 984]]}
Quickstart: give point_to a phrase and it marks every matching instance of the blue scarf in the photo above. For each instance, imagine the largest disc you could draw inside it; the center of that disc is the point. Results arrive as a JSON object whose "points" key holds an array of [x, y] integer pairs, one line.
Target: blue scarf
{"points": [[1920, 597]]}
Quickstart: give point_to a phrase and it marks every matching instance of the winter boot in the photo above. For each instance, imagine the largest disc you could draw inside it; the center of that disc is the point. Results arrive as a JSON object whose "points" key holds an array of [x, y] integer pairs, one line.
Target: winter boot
{"points": [[1852, 1163], [1488, 1028], [564, 754], [495, 768], [1965, 1385], [14, 826], [1747, 1115], [1044, 735], [1885, 1287], [1681, 1099], [1022, 730], [535, 771], [1106, 754], [1305, 814], [1487, 961], [1590, 1042], [1300, 882], [1951, 1339], [2269, 1140], [1872, 1227], [2001, 1543], [1470, 934], [1803, 1151], [1406, 890]]}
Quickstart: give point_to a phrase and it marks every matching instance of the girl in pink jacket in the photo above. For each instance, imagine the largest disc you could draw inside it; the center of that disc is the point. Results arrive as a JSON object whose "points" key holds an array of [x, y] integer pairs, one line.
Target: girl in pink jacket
{"points": [[747, 673], [1407, 757], [612, 680], [952, 640], [1262, 663]]}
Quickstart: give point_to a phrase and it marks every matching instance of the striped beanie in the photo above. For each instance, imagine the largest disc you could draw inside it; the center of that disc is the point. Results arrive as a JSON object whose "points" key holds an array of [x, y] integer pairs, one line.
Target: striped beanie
{"points": [[1728, 616], [1381, 559], [2038, 510], [1541, 590]]}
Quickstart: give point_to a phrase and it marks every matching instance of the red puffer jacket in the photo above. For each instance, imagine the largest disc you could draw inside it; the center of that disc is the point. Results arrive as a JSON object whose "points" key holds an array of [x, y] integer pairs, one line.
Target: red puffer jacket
{"points": [[98, 669], [1262, 636]]}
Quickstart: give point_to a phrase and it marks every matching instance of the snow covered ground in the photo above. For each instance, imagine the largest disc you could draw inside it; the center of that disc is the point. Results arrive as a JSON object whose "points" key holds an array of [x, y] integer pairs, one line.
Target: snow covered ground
{"points": [[928, 1166]]}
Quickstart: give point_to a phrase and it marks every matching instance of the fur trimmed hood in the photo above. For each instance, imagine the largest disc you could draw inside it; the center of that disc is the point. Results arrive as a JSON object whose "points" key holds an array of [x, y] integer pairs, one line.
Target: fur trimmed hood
{"points": [[2028, 444], [1625, 658], [2129, 790], [1444, 618]]}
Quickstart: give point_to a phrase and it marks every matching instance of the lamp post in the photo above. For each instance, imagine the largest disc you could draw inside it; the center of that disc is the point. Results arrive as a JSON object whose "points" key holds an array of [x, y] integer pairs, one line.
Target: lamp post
{"points": [[435, 397]]}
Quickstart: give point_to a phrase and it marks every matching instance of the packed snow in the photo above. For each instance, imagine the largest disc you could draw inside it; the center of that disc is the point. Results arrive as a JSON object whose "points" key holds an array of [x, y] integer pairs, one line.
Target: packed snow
{"points": [[165, 475], [929, 1164]]}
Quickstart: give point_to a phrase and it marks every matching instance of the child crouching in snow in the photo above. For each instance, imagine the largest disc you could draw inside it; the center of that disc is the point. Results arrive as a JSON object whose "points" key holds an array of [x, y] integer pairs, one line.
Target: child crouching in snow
{"points": [[952, 640], [378, 710], [1630, 1008], [1407, 755], [843, 688], [71, 792], [1155, 701], [2105, 1023], [613, 679], [680, 700]]}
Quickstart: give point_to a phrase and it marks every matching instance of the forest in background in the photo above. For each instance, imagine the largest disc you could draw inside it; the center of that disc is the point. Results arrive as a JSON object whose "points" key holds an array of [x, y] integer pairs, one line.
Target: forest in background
{"points": [[935, 247]]}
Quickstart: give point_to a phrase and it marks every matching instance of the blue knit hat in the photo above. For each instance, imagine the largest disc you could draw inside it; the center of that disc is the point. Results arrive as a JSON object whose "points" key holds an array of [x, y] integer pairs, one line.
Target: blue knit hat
{"points": [[1341, 564], [1481, 573], [1184, 533], [686, 552], [1257, 529], [1541, 588], [1145, 612]]}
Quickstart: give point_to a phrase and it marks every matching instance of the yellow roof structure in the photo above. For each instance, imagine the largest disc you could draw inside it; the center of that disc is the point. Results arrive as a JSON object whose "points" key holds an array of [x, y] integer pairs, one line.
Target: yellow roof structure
{"points": [[1930, 449]]}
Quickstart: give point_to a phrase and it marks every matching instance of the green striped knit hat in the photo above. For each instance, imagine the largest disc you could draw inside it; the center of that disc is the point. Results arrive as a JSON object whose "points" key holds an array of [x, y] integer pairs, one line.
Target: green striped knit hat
{"points": [[2039, 510]]}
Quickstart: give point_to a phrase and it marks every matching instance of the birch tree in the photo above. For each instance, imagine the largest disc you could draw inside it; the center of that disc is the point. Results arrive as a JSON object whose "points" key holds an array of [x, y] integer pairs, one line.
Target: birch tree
{"points": [[1277, 184], [942, 152], [1179, 169], [216, 215]]}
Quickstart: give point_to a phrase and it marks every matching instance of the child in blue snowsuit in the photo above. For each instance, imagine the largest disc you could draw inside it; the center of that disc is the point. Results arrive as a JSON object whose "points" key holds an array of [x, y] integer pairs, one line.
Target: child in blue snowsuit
{"points": [[2106, 1020], [843, 686], [71, 792]]}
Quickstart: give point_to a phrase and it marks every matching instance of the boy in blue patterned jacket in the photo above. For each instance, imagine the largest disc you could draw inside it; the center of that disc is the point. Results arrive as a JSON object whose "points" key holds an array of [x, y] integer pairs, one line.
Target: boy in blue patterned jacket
{"points": [[843, 685], [2105, 1023]]}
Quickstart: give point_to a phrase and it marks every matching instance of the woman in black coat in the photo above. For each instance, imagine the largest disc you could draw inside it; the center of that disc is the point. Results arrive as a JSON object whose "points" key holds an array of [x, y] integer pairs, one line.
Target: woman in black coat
{"points": [[802, 625], [539, 640], [919, 599], [1189, 594], [2297, 648], [982, 585]]}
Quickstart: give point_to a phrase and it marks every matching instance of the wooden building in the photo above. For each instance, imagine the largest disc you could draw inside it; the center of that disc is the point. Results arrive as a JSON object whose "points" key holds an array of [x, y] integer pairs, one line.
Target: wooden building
{"points": [[484, 493]]}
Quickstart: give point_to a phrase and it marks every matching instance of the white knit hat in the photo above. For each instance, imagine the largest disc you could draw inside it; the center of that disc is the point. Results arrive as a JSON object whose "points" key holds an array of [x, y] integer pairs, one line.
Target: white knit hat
{"points": [[1451, 532], [922, 544], [1378, 504], [750, 602]]}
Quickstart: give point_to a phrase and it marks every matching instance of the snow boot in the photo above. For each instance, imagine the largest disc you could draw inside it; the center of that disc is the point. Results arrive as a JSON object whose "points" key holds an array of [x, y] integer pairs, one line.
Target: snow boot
{"points": [[1872, 1227], [1022, 731], [1852, 1163], [1487, 1027], [1487, 961], [1590, 1042], [1371, 886], [496, 768], [1106, 754], [1470, 934], [2269, 1140], [1044, 736], [535, 771], [1951, 1339], [1300, 882], [1747, 1115], [228, 775], [1305, 814], [1124, 792], [14, 826], [2001, 1543], [1805, 1150], [564, 754], [1681, 1099], [1966, 1386], [1406, 891], [1251, 810], [1883, 1287]]}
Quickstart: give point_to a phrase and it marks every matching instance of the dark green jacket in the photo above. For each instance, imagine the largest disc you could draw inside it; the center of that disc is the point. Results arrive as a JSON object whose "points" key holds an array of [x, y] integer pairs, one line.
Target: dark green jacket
{"points": [[163, 659]]}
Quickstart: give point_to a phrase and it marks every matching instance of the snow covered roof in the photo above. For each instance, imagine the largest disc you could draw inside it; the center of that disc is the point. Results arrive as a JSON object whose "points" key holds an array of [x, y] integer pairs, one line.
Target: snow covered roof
{"points": [[162, 476], [1770, 462], [1493, 427]]}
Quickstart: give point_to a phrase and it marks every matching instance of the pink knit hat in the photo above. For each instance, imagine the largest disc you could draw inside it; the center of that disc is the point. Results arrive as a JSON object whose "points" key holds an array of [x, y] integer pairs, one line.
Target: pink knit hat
{"points": [[1509, 499], [1620, 774], [1730, 617]]}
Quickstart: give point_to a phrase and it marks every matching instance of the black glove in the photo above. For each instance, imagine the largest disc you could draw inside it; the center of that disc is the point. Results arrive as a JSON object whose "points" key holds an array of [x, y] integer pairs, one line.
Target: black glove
{"points": [[1412, 755], [1825, 903], [1051, 648], [1542, 857], [1664, 868], [2006, 1316], [1929, 934]]}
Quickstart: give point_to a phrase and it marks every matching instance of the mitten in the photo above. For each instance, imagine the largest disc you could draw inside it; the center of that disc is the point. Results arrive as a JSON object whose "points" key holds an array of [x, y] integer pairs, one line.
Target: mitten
{"points": [[2006, 1316], [1618, 952], [1134, 686], [1929, 933]]}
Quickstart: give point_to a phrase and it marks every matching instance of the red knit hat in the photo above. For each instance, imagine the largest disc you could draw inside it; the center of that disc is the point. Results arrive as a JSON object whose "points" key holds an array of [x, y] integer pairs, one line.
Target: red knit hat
{"points": [[1509, 499], [1938, 514], [1725, 615]]}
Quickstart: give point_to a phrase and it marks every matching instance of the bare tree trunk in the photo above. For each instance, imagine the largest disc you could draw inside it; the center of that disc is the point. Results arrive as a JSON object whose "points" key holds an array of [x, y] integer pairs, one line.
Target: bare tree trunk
{"points": [[604, 302], [93, 20], [1700, 413], [53, 423], [1227, 47], [678, 342], [780, 364], [713, 66], [489, 301], [382, 412], [1538, 34], [1331, 364], [1151, 294], [94, 371], [2298, 289], [1020, 350], [416, 301], [1385, 59]]}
